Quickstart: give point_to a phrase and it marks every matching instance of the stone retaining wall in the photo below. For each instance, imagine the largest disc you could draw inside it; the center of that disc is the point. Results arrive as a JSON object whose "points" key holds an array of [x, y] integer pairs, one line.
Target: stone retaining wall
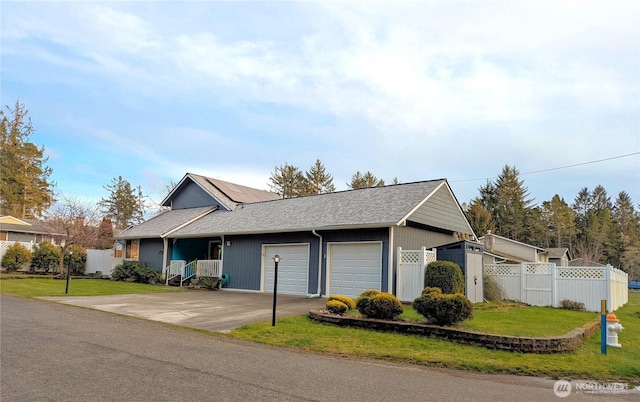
{"points": [[560, 344]]}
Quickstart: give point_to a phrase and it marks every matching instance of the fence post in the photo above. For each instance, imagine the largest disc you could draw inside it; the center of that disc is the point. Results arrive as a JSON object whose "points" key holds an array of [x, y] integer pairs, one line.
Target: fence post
{"points": [[399, 273], [607, 278], [554, 285], [523, 284]]}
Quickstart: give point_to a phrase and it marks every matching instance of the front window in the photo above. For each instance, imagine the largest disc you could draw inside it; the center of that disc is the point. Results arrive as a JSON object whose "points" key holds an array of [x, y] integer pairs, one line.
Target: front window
{"points": [[131, 249]]}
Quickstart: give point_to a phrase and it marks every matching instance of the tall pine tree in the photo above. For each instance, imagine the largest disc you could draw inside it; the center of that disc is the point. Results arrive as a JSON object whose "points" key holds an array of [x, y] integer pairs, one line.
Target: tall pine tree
{"points": [[359, 180], [288, 181], [318, 181], [25, 189], [125, 204]]}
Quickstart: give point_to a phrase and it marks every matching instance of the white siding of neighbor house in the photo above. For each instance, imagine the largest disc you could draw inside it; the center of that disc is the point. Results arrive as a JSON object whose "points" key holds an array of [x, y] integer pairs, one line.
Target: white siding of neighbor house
{"points": [[508, 247]]}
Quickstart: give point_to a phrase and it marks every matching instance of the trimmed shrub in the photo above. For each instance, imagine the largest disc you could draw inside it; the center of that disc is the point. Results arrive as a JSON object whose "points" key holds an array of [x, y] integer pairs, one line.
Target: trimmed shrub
{"points": [[335, 306], [572, 305], [134, 271], [344, 299], [443, 309], [16, 257], [363, 301], [445, 275], [78, 259], [45, 257], [381, 305]]}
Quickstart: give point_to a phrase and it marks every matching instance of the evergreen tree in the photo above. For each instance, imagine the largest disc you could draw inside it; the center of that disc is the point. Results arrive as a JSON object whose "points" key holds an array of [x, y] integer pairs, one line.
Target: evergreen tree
{"points": [[559, 223], [288, 181], [104, 238], [125, 204], [507, 201], [598, 238], [628, 220], [359, 180], [318, 181], [25, 189], [479, 218]]}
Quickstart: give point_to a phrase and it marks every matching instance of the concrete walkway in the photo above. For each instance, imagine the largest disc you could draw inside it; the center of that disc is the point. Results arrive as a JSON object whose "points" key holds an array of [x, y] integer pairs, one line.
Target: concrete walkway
{"points": [[219, 311]]}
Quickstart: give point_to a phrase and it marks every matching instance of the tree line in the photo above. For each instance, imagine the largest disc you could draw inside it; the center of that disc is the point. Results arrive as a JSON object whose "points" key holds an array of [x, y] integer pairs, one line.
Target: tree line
{"points": [[594, 228], [289, 181]]}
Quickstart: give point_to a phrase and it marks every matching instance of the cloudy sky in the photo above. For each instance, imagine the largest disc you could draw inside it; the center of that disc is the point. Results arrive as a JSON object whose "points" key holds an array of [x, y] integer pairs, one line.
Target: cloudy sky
{"points": [[414, 90]]}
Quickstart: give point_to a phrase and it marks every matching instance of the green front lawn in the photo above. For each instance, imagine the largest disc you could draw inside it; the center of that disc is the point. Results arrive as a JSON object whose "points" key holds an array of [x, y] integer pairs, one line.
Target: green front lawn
{"points": [[36, 287], [585, 363]]}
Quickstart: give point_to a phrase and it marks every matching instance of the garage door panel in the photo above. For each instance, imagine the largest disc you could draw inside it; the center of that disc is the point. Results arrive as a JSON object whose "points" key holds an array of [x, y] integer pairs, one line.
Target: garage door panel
{"points": [[293, 268], [355, 267]]}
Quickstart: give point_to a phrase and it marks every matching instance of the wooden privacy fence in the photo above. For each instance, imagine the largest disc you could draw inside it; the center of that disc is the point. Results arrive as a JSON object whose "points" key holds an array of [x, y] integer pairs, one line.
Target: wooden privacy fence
{"points": [[547, 285], [411, 266]]}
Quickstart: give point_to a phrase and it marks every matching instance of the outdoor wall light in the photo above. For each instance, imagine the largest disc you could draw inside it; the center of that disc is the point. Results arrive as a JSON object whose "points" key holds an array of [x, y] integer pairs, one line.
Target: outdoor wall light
{"points": [[228, 243]]}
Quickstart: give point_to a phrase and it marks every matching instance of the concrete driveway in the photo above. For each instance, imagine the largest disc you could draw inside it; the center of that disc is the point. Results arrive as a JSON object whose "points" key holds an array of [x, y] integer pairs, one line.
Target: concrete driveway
{"points": [[219, 311]]}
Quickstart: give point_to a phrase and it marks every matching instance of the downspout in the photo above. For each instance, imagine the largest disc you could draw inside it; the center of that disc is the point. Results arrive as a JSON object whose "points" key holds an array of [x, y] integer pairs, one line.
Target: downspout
{"points": [[319, 288]]}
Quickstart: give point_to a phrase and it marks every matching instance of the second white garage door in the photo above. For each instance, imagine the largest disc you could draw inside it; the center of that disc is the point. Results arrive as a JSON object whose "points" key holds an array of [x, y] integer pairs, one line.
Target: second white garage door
{"points": [[354, 268], [293, 269]]}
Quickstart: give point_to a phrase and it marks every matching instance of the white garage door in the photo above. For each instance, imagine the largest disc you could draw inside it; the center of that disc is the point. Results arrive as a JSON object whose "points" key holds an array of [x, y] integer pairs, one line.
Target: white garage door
{"points": [[293, 269], [354, 268]]}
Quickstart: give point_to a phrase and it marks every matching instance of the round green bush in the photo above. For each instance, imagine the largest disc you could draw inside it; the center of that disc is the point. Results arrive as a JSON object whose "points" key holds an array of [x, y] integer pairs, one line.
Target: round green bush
{"points": [[445, 275], [336, 307], [344, 299], [16, 257], [134, 271], [363, 301], [381, 305], [45, 257], [443, 309]]}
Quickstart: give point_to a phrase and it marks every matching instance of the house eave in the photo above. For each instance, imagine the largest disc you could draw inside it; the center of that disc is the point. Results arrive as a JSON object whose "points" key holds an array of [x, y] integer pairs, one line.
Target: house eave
{"points": [[287, 230]]}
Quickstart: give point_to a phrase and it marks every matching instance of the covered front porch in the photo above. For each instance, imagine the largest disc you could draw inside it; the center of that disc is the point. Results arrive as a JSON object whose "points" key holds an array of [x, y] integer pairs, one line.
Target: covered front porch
{"points": [[193, 258]]}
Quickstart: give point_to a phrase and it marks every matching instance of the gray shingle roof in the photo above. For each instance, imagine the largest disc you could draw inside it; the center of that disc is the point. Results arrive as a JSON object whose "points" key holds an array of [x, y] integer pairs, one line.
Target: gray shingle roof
{"points": [[160, 225], [370, 207]]}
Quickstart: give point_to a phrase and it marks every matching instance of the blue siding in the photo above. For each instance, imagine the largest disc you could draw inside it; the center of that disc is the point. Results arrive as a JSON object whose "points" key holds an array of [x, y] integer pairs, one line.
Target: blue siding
{"points": [[150, 252], [355, 235], [243, 259], [191, 249], [192, 196]]}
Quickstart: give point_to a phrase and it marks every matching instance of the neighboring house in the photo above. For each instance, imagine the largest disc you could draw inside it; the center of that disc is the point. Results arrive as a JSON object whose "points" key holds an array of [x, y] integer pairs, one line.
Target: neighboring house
{"points": [[22, 230], [507, 251], [27, 232], [336, 243], [559, 256]]}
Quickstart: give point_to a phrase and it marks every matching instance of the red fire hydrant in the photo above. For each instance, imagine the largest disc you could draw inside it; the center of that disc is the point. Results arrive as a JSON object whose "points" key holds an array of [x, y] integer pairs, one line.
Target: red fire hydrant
{"points": [[613, 327]]}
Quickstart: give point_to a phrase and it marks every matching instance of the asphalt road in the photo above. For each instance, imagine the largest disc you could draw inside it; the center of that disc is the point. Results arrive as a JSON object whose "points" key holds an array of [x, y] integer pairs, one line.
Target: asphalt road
{"points": [[55, 352]]}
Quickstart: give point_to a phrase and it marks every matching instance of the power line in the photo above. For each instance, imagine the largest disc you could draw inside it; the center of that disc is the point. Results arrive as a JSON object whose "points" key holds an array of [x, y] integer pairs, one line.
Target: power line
{"points": [[555, 168]]}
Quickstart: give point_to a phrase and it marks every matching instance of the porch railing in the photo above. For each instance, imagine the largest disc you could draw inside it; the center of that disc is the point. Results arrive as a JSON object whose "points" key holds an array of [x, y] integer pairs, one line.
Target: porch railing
{"points": [[209, 268], [199, 268], [175, 269], [189, 272]]}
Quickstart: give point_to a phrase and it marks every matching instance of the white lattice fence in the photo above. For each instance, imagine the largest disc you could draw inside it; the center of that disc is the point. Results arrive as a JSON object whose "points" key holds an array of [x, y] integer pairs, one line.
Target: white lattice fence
{"points": [[546, 284], [411, 265]]}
